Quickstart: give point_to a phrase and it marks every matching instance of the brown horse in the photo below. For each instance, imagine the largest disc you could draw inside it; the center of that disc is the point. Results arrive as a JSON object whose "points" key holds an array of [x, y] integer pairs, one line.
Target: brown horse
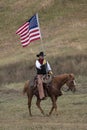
{"points": [[53, 90]]}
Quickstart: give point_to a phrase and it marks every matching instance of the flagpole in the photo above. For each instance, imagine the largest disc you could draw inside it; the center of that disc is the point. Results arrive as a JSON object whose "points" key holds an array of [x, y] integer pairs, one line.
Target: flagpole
{"points": [[42, 47]]}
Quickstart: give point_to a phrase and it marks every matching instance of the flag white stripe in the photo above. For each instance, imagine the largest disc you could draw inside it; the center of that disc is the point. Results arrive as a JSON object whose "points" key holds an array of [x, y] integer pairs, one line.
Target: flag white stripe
{"points": [[24, 33], [34, 37], [34, 33], [28, 32], [31, 34], [24, 36], [30, 37], [26, 43], [25, 39], [31, 30], [23, 26]]}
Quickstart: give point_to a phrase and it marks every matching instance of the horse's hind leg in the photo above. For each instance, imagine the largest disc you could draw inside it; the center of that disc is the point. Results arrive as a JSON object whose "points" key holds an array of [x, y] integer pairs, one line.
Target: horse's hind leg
{"points": [[29, 104], [38, 105]]}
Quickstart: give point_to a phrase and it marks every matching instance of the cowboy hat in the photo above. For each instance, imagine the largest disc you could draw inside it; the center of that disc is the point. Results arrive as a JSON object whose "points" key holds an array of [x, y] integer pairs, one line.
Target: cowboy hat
{"points": [[41, 54]]}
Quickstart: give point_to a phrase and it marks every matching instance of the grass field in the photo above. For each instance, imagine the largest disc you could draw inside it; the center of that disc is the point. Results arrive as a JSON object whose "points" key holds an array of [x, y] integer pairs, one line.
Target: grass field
{"points": [[63, 27], [72, 110], [64, 33]]}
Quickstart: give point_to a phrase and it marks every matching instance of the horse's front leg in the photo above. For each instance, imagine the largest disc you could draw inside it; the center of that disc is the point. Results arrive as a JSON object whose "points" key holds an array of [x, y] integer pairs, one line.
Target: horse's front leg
{"points": [[56, 106], [38, 105], [53, 105]]}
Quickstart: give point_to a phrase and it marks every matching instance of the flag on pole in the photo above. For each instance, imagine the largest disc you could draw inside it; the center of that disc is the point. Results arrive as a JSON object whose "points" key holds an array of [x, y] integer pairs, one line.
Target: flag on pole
{"points": [[29, 31]]}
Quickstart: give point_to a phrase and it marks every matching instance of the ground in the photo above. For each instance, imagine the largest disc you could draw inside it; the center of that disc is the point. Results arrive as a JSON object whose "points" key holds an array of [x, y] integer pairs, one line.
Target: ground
{"points": [[72, 109], [63, 25]]}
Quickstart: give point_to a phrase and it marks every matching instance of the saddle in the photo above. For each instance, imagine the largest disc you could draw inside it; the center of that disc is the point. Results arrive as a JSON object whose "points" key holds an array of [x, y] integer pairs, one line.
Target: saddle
{"points": [[46, 79]]}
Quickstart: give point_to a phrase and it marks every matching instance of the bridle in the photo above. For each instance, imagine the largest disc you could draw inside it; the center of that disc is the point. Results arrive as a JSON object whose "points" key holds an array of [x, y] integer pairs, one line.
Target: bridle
{"points": [[70, 82]]}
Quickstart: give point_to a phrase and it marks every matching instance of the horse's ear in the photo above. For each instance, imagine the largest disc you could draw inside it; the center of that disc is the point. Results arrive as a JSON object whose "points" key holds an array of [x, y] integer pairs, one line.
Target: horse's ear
{"points": [[71, 75]]}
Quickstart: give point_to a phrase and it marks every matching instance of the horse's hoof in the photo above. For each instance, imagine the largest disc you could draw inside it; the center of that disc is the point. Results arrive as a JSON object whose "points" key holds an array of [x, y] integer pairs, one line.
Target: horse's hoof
{"points": [[47, 114], [31, 115], [57, 114]]}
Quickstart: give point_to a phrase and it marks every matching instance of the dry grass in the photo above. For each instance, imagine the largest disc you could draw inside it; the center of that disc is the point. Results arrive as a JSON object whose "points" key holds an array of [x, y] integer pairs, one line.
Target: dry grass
{"points": [[63, 26], [71, 107], [21, 71]]}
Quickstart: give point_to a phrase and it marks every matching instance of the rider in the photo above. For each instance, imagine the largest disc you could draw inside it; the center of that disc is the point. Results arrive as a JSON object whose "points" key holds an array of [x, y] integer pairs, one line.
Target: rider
{"points": [[42, 67]]}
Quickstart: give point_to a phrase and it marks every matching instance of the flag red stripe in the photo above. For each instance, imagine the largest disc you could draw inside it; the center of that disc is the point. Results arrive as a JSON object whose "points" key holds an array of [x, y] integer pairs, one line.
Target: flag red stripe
{"points": [[33, 30], [34, 39], [23, 38], [25, 33], [29, 42], [25, 29], [29, 31], [29, 34], [22, 27], [36, 31], [33, 35], [30, 38], [25, 41]]}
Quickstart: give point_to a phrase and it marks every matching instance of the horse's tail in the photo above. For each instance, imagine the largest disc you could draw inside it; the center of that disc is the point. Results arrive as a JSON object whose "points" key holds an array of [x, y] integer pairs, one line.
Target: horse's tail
{"points": [[26, 86]]}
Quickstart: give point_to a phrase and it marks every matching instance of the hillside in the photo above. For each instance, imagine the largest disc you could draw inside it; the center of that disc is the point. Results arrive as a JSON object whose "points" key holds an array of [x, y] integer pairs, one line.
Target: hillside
{"points": [[64, 31]]}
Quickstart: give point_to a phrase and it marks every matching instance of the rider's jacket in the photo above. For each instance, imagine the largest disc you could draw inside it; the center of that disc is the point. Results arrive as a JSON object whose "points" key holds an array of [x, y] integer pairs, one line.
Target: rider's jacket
{"points": [[42, 66]]}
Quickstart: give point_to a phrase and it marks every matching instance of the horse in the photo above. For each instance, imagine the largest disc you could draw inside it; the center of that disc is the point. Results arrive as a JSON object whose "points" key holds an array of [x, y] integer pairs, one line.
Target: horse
{"points": [[53, 91]]}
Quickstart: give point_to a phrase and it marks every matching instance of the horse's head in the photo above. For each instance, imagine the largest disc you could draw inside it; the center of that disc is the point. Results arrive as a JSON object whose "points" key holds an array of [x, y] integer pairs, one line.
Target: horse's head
{"points": [[71, 83]]}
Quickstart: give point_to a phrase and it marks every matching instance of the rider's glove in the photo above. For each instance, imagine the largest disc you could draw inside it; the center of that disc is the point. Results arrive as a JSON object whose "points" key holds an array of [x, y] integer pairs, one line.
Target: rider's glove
{"points": [[50, 72]]}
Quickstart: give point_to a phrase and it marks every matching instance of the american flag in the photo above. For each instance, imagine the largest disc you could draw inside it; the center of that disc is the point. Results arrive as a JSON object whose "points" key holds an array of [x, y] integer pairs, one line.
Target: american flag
{"points": [[29, 31]]}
